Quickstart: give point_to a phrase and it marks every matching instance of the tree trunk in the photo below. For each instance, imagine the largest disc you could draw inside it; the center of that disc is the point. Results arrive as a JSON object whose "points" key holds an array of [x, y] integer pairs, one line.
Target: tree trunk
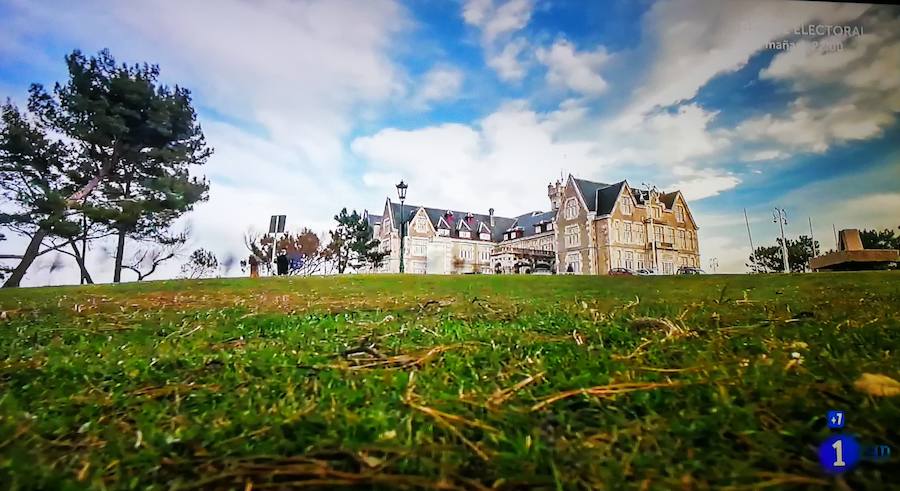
{"points": [[79, 258], [84, 228], [31, 252], [120, 251], [88, 188], [71, 202]]}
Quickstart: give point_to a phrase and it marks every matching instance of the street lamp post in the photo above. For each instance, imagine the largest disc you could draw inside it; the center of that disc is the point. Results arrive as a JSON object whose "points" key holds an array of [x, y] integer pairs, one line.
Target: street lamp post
{"points": [[780, 217], [401, 192]]}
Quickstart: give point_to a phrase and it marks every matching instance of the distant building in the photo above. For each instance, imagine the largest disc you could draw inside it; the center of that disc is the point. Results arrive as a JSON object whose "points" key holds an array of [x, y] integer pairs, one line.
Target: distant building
{"points": [[605, 226], [852, 256], [591, 228]]}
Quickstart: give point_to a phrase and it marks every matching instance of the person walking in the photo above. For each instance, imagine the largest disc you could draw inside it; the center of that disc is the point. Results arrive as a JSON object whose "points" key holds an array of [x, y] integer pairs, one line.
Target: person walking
{"points": [[254, 266], [282, 263]]}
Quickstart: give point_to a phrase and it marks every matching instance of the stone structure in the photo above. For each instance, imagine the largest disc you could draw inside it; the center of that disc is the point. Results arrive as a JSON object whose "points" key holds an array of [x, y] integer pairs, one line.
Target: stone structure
{"points": [[852, 256]]}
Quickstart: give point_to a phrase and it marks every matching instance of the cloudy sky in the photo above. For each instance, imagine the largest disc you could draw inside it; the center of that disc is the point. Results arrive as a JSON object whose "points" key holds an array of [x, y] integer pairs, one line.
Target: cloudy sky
{"points": [[312, 105]]}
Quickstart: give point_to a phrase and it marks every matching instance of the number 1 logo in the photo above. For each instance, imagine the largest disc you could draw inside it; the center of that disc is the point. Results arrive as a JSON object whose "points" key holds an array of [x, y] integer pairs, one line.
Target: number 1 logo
{"points": [[838, 447], [839, 453]]}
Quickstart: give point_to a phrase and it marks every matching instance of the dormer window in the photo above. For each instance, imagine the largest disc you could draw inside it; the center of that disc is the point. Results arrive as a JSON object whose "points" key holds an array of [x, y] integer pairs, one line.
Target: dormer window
{"points": [[465, 234], [484, 236], [679, 213], [537, 229]]}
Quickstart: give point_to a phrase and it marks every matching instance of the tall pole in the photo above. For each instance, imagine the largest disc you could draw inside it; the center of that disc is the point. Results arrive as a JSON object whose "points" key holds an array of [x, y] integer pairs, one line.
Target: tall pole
{"points": [[402, 234], [750, 236], [812, 237], [781, 217]]}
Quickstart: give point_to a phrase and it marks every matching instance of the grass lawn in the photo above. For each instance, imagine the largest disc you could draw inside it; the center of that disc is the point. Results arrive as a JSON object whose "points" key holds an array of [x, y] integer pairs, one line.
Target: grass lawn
{"points": [[465, 382]]}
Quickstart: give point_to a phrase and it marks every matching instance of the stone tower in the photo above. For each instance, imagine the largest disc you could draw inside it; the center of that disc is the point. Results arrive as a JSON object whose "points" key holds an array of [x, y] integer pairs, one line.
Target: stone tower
{"points": [[555, 192]]}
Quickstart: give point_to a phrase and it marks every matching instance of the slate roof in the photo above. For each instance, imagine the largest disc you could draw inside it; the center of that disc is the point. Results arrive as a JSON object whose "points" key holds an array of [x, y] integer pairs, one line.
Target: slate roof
{"points": [[529, 220], [589, 191], [373, 219], [668, 199], [601, 198], [501, 224]]}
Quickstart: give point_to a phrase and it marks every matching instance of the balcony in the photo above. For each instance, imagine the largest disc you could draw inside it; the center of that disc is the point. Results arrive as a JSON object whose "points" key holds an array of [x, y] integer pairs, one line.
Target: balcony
{"points": [[522, 252]]}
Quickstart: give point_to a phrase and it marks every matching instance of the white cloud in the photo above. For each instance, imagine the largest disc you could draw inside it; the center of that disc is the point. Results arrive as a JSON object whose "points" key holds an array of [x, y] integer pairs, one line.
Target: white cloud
{"points": [[497, 25], [497, 20], [458, 165], [508, 61], [475, 12], [695, 40], [291, 75], [815, 129], [764, 155], [863, 74], [577, 71], [705, 184], [441, 83]]}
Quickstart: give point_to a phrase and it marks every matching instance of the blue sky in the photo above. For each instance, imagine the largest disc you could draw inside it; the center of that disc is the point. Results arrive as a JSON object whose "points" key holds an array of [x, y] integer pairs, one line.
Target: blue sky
{"points": [[317, 104]]}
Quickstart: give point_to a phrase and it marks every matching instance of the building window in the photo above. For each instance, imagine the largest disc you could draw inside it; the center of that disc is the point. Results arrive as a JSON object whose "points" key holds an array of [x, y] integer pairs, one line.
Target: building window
{"points": [[465, 253], [549, 226], [443, 232], [421, 225], [485, 255], [668, 267], [573, 259], [628, 236], [386, 224], [681, 242], [658, 233], [618, 259], [629, 260], [484, 236], [640, 261], [679, 213], [465, 234], [573, 236], [571, 208], [537, 229], [418, 249], [656, 212], [626, 205], [670, 235]]}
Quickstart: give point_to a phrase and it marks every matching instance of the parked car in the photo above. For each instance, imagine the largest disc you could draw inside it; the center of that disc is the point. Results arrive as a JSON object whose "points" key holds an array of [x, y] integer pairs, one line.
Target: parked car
{"points": [[620, 272], [689, 270], [645, 272]]}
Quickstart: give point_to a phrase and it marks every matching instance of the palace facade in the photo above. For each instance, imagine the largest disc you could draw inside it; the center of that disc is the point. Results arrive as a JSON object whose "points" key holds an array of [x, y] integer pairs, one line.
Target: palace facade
{"points": [[591, 228]]}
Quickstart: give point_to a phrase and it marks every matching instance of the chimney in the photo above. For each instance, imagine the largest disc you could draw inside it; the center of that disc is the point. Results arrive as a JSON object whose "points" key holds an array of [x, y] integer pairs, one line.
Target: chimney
{"points": [[491, 214]]}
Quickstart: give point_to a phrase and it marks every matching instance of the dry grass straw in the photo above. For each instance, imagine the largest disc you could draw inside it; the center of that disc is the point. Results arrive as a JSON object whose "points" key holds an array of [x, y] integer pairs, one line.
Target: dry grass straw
{"points": [[273, 472], [604, 391], [399, 361], [447, 420], [502, 395]]}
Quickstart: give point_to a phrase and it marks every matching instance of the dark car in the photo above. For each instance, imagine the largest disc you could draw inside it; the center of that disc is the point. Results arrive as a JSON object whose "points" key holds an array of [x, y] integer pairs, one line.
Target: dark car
{"points": [[620, 272], [688, 270]]}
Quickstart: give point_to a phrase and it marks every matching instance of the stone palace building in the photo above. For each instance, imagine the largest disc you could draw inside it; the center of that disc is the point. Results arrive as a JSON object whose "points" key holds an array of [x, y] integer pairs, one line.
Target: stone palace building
{"points": [[591, 228]]}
